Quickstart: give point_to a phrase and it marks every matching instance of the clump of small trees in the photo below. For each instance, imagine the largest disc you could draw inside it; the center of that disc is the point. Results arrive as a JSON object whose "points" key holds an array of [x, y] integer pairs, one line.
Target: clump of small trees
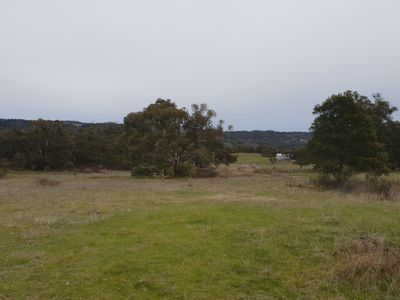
{"points": [[160, 139], [166, 140], [351, 135], [46, 145]]}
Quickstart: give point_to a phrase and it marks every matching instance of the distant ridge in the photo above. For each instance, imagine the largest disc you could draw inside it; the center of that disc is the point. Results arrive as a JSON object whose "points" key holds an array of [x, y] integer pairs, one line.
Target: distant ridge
{"points": [[295, 139], [14, 123], [22, 123]]}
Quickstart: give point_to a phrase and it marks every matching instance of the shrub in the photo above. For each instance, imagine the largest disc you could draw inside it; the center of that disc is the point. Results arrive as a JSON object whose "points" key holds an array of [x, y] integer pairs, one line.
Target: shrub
{"points": [[19, 160], [380, 186], [69, 165], [144, 171], [44, 182], [371, 262], [385, 188], [324, 180], [89, 169], [185, 170], [206, 172]]}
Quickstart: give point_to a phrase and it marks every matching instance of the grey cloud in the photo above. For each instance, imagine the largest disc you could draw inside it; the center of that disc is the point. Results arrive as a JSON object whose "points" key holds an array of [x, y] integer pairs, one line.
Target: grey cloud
{"points": [[261, 64]]}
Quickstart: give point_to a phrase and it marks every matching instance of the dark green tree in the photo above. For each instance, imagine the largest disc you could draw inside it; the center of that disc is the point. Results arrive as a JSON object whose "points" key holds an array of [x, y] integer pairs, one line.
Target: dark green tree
{"points": [[48, 144], [393, 144], [13, 144], [155, 136], [206, 145], [387, 129], [346, 137], [100, 146], [165, 139], [301, 157]]}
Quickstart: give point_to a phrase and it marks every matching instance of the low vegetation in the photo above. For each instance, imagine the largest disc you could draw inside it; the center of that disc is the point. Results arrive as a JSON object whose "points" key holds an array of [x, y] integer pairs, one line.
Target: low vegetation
{"points": [[369, 262]]}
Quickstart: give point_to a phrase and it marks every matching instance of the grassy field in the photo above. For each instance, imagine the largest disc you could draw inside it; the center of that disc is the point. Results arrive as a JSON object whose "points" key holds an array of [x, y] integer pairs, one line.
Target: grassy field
{"points": [[252, 158], [266, 164], [110, 236]]}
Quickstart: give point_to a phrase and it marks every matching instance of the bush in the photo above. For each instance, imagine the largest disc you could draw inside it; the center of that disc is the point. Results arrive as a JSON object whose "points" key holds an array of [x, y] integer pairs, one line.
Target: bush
{"points": [[19, 161], [384, 187], [69, 165], [185, 170], [206, 172], [380, 186], [144, 171]]}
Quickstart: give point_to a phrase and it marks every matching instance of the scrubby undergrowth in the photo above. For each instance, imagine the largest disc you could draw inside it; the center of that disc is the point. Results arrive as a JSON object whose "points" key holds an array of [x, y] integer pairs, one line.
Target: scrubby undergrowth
{"points": [[369, 262]]}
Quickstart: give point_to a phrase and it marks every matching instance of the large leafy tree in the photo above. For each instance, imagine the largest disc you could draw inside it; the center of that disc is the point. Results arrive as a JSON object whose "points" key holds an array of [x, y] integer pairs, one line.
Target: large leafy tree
{"points": [[347, 136], [301, 157], [155, 135], [163, 137], [48, 144], [205, 140], [388, 130], [13, 142], [100, 146]]}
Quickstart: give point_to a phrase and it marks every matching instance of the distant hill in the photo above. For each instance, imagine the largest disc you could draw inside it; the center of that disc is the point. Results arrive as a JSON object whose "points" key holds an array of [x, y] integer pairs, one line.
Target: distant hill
{"points": [[235, 138], [21, 123], [14, 123], [295, 139]]}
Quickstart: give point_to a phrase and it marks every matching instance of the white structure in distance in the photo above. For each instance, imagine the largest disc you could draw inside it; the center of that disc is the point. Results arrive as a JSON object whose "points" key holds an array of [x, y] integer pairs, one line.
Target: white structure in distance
{"points": [[282, 156]]}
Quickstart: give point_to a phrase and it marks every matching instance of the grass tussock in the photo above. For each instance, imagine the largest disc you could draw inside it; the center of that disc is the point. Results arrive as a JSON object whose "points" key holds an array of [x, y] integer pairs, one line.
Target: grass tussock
{"points": [[278, 171], [385, 189], [46, 220], [239, 170], [382, 188], [45, 182], [373, 263]]}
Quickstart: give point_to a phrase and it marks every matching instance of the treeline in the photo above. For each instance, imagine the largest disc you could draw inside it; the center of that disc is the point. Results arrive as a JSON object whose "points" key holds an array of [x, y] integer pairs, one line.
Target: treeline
{"points": [[274, 139], [160, 139]]}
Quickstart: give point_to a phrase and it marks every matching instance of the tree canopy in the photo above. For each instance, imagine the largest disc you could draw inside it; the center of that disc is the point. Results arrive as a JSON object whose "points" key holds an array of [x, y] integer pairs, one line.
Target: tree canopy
{"points": [[161, 138], [350, 135], [164, 138]]}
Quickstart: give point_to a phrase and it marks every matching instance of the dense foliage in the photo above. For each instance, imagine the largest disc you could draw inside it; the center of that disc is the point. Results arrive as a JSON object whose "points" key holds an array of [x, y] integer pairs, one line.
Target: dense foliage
{"points": [[47, 145], [352, 134], [165, 139], [160, 139]]}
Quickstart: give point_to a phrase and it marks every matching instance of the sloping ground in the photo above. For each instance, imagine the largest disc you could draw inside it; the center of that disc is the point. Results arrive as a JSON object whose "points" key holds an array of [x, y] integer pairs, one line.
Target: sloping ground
{"points": [[108, 236]]}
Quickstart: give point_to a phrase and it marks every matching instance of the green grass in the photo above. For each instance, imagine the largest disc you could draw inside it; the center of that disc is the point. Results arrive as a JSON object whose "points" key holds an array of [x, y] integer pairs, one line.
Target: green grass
{"points": [[252, 158], [109, 236], [265, 163]]}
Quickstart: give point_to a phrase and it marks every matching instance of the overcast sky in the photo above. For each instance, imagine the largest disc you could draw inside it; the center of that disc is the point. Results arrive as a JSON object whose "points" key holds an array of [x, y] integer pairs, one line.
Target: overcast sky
{"points": [[261, 64]]}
